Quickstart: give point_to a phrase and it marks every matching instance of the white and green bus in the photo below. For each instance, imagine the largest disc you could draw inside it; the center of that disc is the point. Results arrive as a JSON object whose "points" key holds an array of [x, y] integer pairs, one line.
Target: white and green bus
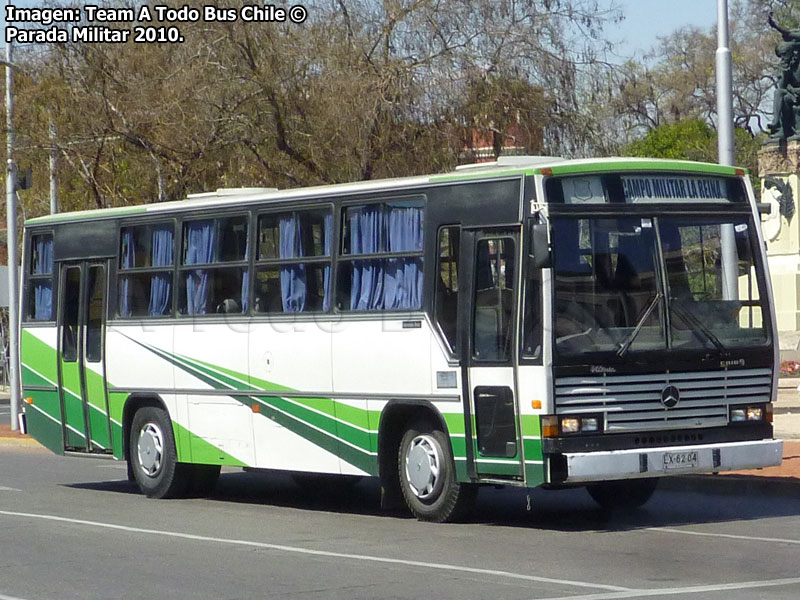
{"points": [[529, 322]]}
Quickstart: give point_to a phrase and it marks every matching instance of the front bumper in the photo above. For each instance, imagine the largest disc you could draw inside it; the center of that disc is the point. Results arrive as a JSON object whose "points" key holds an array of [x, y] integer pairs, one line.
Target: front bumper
{"points": [[578, 467]]}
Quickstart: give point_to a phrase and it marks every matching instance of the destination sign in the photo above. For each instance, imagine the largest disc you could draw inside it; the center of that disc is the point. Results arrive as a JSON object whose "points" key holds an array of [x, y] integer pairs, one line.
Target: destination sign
{"points": [[660, 188]]}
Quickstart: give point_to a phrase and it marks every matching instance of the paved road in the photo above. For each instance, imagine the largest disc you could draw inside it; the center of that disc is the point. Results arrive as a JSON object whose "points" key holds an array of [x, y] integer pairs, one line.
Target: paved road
{"points": [[75, 528]]}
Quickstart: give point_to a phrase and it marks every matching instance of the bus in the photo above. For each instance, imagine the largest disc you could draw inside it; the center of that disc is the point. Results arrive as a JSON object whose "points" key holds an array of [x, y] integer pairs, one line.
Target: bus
{"points": [[528, 322]]}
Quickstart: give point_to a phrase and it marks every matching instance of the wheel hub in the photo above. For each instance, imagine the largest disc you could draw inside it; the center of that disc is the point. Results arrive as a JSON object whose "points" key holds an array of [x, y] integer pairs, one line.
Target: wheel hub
{"points": [[150, 449], [423, 466]]}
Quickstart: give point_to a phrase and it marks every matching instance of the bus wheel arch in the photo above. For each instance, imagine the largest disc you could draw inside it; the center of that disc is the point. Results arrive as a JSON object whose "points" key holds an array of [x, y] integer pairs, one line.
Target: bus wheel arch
{"points": [[151, 450], [417, 430]]}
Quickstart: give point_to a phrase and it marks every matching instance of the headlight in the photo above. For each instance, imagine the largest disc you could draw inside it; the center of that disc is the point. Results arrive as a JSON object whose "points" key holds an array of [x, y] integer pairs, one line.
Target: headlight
{"points": [[590, 424], [570, 425], [757, 412]]}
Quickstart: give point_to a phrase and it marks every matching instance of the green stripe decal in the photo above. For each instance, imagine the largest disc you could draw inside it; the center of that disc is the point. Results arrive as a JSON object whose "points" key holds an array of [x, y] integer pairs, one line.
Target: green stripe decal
{"points": [[309, 418], [673, 166], [202, 451]]}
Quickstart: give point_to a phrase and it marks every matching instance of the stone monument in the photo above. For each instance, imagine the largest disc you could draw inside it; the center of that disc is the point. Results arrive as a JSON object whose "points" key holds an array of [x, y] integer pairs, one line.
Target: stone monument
{"points": [[779, 170]]}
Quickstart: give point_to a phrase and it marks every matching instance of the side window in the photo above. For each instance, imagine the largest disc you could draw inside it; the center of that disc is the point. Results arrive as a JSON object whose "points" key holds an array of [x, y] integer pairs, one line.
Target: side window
{"points": [[494, 299], [213, 275], [293, 265], [146, 258], [70, 305], [40, 277], [381, 263], [445, 310], [95, 298]]}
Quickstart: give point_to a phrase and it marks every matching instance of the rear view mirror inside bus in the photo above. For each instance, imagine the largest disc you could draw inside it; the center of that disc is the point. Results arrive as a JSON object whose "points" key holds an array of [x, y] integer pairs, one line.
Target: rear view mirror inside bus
{"points": [[538, 250]]}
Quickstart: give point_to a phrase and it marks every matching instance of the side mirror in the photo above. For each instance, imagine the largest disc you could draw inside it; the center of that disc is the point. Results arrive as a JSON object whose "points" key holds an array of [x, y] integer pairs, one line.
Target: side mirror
{"points": [[539, 253]]}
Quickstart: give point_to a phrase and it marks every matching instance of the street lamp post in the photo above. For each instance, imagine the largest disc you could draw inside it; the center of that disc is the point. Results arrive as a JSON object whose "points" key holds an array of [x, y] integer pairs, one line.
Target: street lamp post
{"points": [[11, 241]]}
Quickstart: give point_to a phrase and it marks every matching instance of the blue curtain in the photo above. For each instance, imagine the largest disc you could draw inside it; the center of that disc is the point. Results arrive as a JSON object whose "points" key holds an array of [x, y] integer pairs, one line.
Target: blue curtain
{"points": [[326, 301], [293, 277], [43, 301], [162, 249], [403, 280], [44, 255], [245, 279], [127, 261], [43, 290], [366, 237], [200, 243]]}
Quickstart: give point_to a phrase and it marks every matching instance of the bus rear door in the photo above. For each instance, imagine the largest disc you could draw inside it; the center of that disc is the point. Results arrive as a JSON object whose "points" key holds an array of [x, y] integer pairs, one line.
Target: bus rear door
{"points": [[81, 348]]}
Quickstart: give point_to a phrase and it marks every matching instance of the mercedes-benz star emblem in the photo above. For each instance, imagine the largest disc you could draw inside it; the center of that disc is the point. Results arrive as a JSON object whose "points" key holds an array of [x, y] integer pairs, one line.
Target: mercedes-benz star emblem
{"points": [[670, 396]]}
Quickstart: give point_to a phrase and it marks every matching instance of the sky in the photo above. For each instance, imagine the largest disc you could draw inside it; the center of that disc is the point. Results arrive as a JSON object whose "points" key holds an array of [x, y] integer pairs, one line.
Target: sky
{"points": [[645, 20]]}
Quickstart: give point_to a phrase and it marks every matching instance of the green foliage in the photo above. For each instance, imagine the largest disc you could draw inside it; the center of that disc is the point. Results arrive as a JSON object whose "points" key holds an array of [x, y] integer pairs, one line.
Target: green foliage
{"points": [[696, 140], [686, 140]]}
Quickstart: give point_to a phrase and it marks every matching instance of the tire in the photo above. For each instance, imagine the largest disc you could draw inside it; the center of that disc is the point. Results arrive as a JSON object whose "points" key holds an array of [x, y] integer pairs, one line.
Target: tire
{"points": [[623, 495], [153, 458], [428, 476]]}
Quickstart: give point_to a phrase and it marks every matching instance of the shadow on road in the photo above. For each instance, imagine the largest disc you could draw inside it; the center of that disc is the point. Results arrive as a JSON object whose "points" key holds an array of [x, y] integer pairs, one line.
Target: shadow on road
{"points": [[552, 510]]}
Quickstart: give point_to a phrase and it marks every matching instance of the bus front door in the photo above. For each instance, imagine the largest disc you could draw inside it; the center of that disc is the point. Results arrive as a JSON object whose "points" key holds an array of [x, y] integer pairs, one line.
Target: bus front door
{"points": [[81, 345], [494, 450]]}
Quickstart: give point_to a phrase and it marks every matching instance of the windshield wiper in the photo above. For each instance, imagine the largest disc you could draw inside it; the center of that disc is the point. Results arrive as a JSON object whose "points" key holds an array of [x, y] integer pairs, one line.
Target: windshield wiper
{"points": [[626, 343], [697, 324]]}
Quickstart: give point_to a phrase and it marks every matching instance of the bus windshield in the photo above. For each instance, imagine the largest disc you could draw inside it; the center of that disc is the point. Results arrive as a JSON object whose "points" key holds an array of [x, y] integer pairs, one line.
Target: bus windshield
{"points": [[626, 284]]}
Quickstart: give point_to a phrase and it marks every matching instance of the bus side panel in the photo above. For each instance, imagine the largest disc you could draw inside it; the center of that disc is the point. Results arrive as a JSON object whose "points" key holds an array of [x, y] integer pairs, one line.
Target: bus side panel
{"points": [[39, 372], [293, 431], [532, 386], [447, 398], [210, 362], [138, 361]]}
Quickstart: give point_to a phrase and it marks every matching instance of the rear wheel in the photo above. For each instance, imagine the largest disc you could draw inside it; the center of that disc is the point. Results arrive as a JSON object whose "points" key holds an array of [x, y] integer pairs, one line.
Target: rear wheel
{"points": [[428, 476], [623, 495], [153, 458]]}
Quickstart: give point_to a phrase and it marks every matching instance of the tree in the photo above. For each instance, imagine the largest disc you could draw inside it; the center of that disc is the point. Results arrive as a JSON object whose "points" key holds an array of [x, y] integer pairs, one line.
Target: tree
{"points": [[362, 89]]}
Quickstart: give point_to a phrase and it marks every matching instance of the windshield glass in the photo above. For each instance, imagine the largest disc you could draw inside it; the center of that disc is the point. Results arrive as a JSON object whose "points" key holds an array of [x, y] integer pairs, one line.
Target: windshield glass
{"points": [[713, 288], [622, 283], [605, 281]]}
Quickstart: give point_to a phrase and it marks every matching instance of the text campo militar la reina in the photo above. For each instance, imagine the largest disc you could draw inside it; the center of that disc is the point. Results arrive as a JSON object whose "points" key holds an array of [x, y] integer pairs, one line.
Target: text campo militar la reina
{"points": [[95, 24]]}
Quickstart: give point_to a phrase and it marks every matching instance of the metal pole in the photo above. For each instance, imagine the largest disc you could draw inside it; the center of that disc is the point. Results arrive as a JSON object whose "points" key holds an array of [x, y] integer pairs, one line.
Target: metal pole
{"points": [[724, 88], [53, 181], [11, 240], [730, 258]]}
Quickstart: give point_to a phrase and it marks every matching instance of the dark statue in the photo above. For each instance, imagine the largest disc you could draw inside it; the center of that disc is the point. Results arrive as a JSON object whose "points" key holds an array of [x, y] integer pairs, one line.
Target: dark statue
{"points": [[785, 196], [786, 105]]}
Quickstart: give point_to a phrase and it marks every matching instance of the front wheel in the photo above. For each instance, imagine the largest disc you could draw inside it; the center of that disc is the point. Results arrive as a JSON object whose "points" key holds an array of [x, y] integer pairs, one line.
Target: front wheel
{"points": [[428, 477], [153, 458], [623, 495]]}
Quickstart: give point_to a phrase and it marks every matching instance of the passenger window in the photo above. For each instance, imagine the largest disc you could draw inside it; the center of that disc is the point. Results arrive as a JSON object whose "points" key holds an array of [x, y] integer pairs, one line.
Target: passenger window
{"points": [[494, 299], [294, 262], [213, 278], [393, 280], [40, 277], [144, 287], [445, 312]]}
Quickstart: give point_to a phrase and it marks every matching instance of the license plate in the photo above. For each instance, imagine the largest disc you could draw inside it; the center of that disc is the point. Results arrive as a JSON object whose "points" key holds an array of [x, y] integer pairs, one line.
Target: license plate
{"points": [[680, 460]]}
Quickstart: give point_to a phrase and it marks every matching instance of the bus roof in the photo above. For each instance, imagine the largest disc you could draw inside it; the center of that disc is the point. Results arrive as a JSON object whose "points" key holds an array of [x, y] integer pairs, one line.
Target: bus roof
{"points": [[512, 166]]}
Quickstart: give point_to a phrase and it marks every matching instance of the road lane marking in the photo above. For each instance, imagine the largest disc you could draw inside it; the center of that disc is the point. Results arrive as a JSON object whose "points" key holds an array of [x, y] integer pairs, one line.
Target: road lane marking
{"points": [[8, 489], [2, 597], [325, 553], [696, 589], [729, 536]]}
